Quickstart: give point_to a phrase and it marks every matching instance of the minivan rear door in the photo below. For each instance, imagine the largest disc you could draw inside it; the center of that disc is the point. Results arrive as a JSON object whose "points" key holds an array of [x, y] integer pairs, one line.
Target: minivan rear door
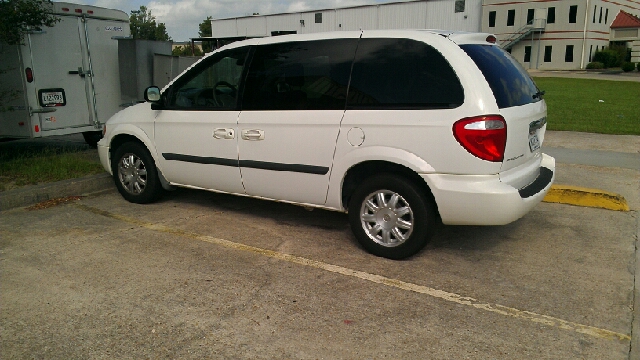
{"points": [[519, 100]]}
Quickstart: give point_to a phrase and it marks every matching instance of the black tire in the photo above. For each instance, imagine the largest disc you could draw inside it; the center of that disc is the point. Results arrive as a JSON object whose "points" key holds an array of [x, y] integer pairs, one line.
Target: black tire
{"points": [[92, 138], [387, 234], [135, 173]]}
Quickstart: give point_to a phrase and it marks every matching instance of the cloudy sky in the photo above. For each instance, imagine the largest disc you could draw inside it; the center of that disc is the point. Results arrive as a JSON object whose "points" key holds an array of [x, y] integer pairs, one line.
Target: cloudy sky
{"points": [[183, 16]]}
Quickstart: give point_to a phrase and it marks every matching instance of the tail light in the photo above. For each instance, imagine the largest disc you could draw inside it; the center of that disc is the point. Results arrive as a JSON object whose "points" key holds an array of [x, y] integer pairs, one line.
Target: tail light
{"points": [[29, 74], [482, 136]]}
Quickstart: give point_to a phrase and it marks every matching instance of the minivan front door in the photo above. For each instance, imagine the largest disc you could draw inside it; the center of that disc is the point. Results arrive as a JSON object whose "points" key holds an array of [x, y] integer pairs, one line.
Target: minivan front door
{"points": [[196, 132]]}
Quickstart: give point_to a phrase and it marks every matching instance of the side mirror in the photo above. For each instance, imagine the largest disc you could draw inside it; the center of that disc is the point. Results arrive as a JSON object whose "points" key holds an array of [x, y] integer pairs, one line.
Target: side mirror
{"points": [[152, 94]]}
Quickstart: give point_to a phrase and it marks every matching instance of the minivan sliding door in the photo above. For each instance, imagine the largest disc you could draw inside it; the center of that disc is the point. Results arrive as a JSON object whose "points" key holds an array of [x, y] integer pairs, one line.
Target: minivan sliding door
{"points": [[293, 103]]}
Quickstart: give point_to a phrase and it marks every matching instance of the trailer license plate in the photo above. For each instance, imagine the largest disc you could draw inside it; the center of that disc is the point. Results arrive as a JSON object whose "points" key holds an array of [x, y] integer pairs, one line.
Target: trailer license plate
{"points": [[534, 142], [52, 97]]}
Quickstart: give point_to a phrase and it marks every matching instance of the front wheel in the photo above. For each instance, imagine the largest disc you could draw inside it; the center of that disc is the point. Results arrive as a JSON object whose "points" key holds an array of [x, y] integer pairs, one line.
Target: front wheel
{"points": [[390, 217], [135, 173]]}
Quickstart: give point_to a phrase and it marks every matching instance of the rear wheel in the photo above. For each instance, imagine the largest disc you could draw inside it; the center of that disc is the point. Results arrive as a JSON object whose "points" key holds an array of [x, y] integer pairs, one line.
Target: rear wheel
{"points": [[135, 173], [391, 217]]}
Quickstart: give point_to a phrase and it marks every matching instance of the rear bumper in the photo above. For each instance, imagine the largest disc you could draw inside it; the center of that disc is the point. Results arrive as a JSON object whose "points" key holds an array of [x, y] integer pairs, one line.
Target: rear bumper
{"points": [[484, 199]]}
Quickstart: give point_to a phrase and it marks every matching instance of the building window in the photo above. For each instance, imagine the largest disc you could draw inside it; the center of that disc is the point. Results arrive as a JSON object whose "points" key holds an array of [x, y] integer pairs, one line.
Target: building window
{"points": [[590, 51], [600, 20], [459, 6], [568, 54], [492, 19], [318, 18], [573, 13], [551, 15], [606, 15], [547, 53], [511, 17], [595, 10], [527, 54], [529, 16]]}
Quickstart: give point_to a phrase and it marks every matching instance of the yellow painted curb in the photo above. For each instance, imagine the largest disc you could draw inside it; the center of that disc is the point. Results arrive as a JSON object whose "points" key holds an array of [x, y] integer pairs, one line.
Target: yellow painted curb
{"points": [[574, 195]]}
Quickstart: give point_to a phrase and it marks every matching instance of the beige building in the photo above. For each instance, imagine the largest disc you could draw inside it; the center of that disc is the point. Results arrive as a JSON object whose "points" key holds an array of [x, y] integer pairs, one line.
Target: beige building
{"points": [[561, 34]]}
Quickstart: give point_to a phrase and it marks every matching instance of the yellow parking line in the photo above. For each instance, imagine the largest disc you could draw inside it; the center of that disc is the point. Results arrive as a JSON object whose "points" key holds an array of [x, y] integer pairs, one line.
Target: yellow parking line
{"points": [[575, 195], [439, 294]]}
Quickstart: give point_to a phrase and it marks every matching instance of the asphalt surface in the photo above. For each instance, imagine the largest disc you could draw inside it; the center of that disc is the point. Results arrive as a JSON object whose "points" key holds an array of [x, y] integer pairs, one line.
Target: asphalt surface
{"points": [[205, 275]]}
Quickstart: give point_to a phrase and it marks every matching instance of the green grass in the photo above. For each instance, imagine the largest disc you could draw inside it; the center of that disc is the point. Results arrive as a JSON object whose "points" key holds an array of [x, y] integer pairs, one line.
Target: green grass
{"points": [[20, 166], [574, 105]]}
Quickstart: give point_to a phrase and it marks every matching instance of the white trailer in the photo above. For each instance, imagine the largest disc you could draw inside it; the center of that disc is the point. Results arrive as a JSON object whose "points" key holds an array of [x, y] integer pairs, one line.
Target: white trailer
{"points": [[64, 79]]}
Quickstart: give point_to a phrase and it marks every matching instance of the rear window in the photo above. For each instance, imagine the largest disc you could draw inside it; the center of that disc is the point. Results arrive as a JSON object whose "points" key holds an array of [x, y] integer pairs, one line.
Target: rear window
{"points": [[510, 83]]}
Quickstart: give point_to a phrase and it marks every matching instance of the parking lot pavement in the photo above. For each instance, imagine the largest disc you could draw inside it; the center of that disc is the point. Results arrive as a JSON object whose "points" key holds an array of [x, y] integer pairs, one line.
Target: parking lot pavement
{"points": [[205, 275]]}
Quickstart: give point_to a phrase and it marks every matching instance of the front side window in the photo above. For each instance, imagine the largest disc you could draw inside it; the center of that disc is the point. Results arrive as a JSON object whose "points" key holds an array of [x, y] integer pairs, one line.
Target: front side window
{"points": [[511, 17], [402, 73], [309, 75], [212, 84]]}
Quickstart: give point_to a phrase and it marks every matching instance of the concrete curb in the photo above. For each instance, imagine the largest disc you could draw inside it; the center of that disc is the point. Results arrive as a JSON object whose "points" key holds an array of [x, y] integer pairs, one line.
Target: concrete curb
{"points": [[579, 196], [34, 194]]}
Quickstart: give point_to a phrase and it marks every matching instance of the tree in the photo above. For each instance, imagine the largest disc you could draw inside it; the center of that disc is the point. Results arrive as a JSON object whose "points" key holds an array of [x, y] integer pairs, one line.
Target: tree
{"points": [[17, 17], [186, 51], [143, 26], [205, 31]]}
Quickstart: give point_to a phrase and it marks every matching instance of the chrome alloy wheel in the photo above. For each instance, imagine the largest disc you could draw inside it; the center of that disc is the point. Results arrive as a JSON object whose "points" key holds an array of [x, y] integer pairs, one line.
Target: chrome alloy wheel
{"points": [[132, 174], [387, 218]]}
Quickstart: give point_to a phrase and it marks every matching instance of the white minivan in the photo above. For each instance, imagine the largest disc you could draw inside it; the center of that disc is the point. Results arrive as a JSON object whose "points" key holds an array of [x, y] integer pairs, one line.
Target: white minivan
{"points": [[400, 129]]}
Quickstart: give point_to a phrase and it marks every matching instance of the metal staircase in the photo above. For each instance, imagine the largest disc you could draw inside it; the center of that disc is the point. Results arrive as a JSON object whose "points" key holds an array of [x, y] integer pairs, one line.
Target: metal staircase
{"points": [[523, 32]]}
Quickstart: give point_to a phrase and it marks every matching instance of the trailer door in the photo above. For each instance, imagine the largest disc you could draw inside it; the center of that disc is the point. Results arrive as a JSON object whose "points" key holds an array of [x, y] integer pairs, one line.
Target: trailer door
{"points": [[61, 76], [101, 50]]}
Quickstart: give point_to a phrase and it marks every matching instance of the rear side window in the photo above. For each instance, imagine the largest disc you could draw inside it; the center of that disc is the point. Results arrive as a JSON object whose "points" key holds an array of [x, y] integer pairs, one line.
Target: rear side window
{"points": [[510, 83], [309, 75], [402, 73]]}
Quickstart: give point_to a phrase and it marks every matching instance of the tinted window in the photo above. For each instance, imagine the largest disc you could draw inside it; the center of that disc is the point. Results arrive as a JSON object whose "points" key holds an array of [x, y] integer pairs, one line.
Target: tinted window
{"points": [[300, 75], [511, 17], [573, 12], [212, 84], [402, 73], [568, 54], [551, 15], [510, 83], [547, 53]]}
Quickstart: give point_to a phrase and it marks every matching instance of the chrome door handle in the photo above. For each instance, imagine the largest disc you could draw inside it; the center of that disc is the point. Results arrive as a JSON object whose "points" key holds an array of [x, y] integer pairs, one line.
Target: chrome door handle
{"points": [[253, 134], [224, 133]]}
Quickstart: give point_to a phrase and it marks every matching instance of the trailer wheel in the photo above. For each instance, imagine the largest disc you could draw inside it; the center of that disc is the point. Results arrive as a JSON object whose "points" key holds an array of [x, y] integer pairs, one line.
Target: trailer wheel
{"points": [[135, 173], [92, 138]]}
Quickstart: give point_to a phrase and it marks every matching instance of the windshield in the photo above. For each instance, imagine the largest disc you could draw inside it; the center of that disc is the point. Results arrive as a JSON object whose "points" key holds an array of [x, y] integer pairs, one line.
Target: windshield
{"points": [[510, 83]]}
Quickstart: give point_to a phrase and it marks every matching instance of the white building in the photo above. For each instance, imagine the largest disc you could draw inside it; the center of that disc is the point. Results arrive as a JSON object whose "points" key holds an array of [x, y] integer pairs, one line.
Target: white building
{"points": [[422, 14], [561, 34], [549, 34]]}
